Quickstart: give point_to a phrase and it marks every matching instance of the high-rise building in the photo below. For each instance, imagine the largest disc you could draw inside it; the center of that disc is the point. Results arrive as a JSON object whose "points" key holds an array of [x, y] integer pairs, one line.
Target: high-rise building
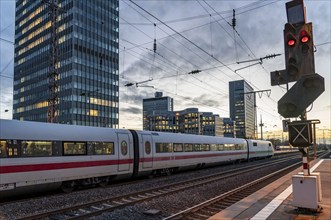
{"points": [[228, 127], [159, 105], [242, 109], [87, 41]]}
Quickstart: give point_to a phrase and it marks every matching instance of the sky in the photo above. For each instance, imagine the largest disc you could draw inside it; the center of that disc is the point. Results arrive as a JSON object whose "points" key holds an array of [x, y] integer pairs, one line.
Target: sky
{"points": [[197, 35]]}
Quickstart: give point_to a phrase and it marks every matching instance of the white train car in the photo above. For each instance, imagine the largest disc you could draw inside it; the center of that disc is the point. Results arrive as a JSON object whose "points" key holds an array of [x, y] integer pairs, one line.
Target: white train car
{"points": [[51, 155], [167, 152], [260, 149]]}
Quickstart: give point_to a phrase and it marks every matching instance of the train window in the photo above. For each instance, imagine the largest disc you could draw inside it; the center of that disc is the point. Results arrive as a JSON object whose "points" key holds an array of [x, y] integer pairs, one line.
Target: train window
{"points": [[229, 147], [178, 147], [254, 144], [74, 148], [124, 148], [3, 152], [36, 148], [147, 147], [197, 147], [163, 147], [103, 148], [213, 147], [220, 147], [241, 146], [12, 148], [205, 147], [269, 144], [188, 147]]}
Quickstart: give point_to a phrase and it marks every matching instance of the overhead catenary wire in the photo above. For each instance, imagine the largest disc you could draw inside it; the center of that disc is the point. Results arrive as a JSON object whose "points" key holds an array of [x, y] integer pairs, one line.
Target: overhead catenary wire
{"points": [[172, 36], [171, 65], [221, 12], [221, 62], [147, 60], [200, 48], [190, 41], [191, 50]]}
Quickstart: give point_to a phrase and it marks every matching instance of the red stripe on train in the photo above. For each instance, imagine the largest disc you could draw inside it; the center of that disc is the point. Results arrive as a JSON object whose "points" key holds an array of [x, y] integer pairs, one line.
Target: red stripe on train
{"points": [[84, 164], [57, 166]]}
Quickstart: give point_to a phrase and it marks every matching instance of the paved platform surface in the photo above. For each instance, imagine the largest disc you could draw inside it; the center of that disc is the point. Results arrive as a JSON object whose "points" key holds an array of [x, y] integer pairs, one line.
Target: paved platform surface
{"points": [[275, 200]]}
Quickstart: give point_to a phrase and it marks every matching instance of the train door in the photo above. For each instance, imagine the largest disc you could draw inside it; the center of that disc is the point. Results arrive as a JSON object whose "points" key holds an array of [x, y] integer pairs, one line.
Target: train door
{"points": [[124, 152], [147, 151]]}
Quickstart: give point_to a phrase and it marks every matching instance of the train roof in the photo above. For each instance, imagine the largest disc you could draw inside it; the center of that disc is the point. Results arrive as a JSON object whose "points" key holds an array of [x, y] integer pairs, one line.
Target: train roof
{"points": [[28, 130], [191, 138]]}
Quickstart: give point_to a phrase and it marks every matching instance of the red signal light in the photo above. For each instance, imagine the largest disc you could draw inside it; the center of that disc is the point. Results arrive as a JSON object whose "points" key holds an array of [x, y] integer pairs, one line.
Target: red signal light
{"points": [[304, 39], [291, 42]]}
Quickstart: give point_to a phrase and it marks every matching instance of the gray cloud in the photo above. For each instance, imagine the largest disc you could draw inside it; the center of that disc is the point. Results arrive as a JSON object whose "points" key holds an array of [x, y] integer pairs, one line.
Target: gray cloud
{"points": [[131, 110]]}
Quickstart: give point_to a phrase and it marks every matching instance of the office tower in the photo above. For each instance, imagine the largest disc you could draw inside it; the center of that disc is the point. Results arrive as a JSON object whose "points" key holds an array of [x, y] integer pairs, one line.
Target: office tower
{"points": [[87, 61], [159, 105], [242, 109]]}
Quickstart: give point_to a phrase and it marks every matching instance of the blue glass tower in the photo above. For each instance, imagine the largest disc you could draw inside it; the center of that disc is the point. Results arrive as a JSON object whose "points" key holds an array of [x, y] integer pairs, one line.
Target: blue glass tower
{"points": [[87, 42], [242, 109]]}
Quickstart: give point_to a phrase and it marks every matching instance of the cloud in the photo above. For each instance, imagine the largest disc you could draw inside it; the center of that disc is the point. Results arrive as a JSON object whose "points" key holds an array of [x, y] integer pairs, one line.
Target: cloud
{"points": [[131, 110]]}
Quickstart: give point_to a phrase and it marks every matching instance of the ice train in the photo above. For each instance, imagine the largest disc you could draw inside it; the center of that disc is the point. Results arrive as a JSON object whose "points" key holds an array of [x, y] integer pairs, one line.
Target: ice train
{"points": [[37, 156]]}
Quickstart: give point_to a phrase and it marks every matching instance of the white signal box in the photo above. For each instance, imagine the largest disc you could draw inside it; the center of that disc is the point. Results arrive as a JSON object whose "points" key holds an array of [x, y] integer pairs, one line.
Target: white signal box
{"points": [[307, 191]]}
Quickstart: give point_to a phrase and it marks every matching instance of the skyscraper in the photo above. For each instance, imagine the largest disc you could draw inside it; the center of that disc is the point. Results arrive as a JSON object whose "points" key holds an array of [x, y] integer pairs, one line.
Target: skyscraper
{"points": [[242, 109], [156, 106], [87, 61]]}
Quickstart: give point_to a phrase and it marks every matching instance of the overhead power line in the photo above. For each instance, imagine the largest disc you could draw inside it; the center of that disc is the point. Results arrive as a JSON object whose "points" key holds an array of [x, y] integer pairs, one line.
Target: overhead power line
{"points": [[260, 61], [239, 10], [204, 51], [8, 41]]}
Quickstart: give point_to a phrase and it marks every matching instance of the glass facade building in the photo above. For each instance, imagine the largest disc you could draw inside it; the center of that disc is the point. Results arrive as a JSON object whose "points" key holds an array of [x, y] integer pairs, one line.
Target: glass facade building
{"points": [[242, 109], [159, 105], [88, 53], [188, 121]]}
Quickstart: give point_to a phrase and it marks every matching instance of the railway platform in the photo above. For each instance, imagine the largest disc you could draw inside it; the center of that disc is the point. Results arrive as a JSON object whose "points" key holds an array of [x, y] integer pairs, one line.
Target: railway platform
{"points": [[275, 200]]}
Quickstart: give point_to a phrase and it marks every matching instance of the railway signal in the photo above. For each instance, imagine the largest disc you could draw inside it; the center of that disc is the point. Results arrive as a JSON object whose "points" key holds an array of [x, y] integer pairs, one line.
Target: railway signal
{"points": [[292, 57], [299, 54], [301, 95], [300, 67], [300, 134]]}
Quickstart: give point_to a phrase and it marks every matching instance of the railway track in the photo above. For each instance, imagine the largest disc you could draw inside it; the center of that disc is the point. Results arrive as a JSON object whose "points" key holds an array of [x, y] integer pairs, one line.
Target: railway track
{"points": [[209, 208], [90, 209]]}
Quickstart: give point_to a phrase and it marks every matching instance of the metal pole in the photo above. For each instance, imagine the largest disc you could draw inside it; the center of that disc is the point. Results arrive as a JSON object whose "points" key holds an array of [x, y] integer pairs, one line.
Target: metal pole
{"points": [[314, 129], [305, 161]]}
